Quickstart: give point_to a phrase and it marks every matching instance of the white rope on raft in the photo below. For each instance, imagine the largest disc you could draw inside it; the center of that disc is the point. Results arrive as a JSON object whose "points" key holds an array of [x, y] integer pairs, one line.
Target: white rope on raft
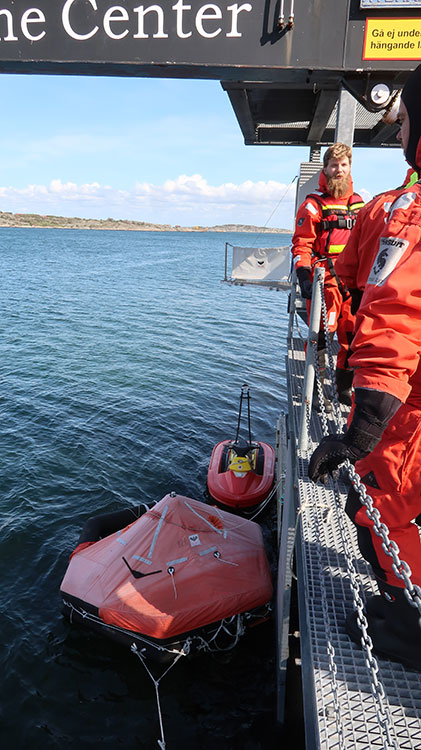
{"points": [[185, 650]]}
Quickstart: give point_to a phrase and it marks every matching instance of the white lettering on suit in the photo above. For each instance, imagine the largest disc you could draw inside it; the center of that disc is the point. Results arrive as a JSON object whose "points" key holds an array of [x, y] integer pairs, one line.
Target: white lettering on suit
{"points": [[390, 252]]}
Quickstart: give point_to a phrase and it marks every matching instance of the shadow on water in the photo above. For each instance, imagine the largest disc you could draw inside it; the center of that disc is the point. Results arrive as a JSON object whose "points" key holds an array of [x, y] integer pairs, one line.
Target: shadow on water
{"points": [[221, 705]]}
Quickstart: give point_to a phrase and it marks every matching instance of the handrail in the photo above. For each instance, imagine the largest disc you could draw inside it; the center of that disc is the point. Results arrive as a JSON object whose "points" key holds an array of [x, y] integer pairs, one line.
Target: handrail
{"points": [[313, 333], [226, 260]]}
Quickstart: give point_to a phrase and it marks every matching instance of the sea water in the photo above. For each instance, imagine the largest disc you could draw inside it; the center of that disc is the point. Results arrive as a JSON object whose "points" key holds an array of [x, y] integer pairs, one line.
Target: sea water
{"points": [[122, 359]]}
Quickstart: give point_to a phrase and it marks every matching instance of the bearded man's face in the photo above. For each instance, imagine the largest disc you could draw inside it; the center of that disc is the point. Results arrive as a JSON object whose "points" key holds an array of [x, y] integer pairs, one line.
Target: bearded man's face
{"points": [[338, 176]]}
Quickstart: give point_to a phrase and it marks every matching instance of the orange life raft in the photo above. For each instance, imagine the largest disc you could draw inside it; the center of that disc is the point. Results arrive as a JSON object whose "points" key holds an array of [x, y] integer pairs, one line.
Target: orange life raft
{"points": [[181, 567]]}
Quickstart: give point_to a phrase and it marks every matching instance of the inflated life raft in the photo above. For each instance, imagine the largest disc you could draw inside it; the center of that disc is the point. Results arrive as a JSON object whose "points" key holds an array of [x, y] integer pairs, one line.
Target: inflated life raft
{"points": [[241, 472], [171, 577]]}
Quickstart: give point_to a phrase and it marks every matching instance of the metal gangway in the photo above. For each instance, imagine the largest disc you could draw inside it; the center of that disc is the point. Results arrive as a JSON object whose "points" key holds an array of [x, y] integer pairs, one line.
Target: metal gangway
{"points": [[351, 699]]}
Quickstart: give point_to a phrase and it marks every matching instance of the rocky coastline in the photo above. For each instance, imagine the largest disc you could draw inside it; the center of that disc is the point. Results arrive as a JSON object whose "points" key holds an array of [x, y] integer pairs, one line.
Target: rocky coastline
{"points": [[8, 219]]}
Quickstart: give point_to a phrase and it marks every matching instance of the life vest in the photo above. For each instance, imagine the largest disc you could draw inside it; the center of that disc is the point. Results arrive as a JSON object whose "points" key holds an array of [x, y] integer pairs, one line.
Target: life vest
{"points": [[337, 221]]}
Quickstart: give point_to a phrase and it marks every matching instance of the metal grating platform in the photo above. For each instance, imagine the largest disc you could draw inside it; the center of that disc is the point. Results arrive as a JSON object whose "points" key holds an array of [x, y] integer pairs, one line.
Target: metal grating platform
{"points": [[340, 709]]}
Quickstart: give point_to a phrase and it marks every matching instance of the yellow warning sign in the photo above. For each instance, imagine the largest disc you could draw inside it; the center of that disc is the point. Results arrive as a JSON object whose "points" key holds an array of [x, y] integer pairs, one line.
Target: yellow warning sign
{"points": [[392, 39]]}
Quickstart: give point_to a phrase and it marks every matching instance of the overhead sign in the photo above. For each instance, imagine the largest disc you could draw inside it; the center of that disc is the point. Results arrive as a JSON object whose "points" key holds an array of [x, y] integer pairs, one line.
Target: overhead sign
{"points": [[390, 4], [224, 39], [81, 20], [163, 31], [392, 39]]}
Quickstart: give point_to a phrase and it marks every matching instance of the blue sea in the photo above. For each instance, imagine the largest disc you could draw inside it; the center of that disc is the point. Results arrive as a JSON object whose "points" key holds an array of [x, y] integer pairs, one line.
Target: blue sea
{"points": [[122, 357]]}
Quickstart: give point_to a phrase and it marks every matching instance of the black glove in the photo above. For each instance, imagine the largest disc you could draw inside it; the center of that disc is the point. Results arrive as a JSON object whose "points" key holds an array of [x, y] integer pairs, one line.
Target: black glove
{"points": [[373, 410], [331, 453], [305, 282], [356, 295]]}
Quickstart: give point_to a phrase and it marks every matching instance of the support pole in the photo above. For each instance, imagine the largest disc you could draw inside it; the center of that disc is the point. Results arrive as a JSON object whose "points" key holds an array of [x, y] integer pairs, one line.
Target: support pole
{"points": [[345, 119], [313, 334], [226, 261], [292, 303]]}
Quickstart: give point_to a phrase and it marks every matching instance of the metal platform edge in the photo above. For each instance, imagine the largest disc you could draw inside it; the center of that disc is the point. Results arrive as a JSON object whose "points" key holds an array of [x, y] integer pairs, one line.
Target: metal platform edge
{"points": [[297, 534], [288, 518]]}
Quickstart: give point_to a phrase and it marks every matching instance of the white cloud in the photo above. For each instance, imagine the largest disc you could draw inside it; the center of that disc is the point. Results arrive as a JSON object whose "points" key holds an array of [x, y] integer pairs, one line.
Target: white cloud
{"points": [[188, 199], [196, 187], [365, 195]]}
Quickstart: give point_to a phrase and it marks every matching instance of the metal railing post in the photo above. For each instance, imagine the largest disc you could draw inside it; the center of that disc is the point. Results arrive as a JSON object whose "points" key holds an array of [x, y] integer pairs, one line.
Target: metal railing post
{"points": [[226, 260], [313, 333], [292, 298]]}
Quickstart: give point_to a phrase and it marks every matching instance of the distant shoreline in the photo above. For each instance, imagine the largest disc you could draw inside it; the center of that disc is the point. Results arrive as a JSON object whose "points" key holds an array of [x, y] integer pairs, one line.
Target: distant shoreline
{"points": [[38, 221]]}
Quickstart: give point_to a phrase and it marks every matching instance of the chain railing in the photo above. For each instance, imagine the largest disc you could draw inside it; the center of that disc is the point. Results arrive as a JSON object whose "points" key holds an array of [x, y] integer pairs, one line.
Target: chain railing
{"points": [[400, 567], [383, 713]]}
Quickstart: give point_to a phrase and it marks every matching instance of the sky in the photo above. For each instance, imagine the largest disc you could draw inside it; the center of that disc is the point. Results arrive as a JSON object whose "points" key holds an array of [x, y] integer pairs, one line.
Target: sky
{"points": [[155, 150]]}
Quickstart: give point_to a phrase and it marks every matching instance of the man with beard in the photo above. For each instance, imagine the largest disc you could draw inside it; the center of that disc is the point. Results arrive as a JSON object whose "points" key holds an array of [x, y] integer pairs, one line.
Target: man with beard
{"points": [[384, 434], [323, 223]]}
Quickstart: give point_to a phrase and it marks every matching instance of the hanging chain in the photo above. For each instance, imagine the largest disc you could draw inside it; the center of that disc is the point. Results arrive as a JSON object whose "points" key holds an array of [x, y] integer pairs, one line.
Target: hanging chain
{"points": [[382, 711], [320, 393], [330, 648], [331, 364], [324, 601], [400, 568]]}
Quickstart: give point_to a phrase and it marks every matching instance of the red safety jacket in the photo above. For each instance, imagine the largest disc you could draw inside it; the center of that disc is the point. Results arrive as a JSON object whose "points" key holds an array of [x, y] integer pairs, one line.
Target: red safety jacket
{"points": [[354, 264], [323, 224], [387, 342]]}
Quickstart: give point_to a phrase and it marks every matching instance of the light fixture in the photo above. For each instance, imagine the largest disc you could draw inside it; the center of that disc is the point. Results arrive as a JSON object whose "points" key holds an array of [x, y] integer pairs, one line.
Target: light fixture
{"points": [[380, 94]]}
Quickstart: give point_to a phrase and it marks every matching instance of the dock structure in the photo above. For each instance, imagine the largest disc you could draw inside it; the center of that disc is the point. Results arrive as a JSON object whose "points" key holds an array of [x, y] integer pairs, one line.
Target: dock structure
{"points": [[291, 68], [350, 699], [303, 73]]}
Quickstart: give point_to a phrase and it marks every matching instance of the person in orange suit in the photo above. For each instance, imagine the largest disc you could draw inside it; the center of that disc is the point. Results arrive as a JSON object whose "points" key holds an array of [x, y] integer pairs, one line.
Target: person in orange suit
{"points": [[323, 224], [354, 263], [383, 438]]}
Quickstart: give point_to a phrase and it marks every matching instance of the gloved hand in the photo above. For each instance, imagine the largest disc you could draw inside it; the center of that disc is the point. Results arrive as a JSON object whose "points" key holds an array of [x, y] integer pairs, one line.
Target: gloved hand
{"points": [[305, 282], [330, 454], [373, 410], [356, 295]]}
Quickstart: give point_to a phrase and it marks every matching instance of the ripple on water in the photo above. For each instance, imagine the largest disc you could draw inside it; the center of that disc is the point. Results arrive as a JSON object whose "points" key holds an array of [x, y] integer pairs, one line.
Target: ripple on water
{"points": [[122, 357]]}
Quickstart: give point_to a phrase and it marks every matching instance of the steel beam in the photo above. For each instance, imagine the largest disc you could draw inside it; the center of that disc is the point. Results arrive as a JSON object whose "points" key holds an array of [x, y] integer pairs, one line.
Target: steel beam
{"points": [[324, 108], [345, 120]]}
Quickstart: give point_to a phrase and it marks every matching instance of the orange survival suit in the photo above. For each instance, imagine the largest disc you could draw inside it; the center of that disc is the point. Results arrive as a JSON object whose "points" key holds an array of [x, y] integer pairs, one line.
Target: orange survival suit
{"points": [[383, 438], [322, 228], [387, 350], [354, 263]]}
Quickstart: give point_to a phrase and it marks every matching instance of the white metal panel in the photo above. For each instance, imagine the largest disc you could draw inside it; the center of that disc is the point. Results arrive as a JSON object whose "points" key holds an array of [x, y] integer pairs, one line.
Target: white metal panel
{"points": [[261, 264]]}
